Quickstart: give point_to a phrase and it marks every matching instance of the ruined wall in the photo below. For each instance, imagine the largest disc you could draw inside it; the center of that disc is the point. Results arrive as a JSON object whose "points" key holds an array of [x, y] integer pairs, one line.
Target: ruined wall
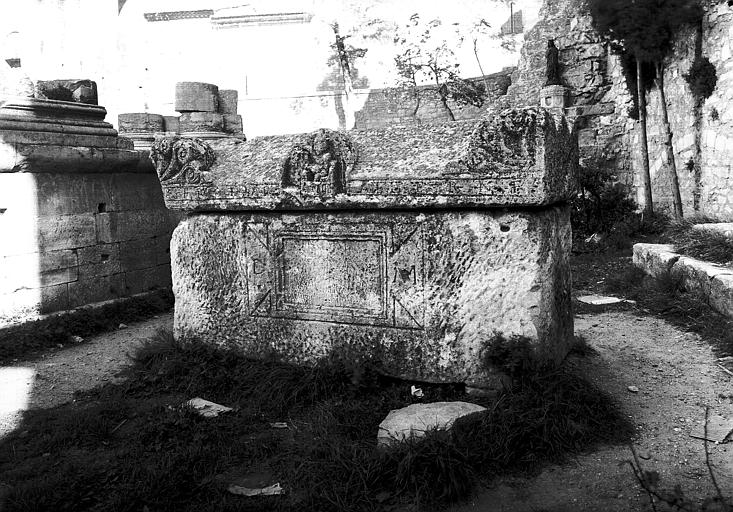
{"points": [[705, 176], [82, 218], [79, 239], [384, 107], [599, 101]]}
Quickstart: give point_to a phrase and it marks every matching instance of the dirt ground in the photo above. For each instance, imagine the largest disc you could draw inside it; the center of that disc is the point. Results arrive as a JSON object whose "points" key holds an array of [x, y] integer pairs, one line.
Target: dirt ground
{"points": [[675, 373]]}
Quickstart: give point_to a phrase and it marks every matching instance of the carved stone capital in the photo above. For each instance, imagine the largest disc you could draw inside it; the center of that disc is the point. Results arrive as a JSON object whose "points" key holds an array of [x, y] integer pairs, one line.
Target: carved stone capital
{"points": [[182, 161], [318, 163]]}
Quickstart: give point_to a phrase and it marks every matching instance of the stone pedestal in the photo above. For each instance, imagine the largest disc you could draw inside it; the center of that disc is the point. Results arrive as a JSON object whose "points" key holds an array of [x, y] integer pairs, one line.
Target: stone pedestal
{"points": [[554, 98], [411, 248]]}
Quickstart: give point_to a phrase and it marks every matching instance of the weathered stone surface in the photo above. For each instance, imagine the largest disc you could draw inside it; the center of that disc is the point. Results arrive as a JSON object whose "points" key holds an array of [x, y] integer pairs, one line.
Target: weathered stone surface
{"points": [[233, 123], [416, 419], [522, 157], [172, 124], [196, 97], [201, 122], [228, 101], [96, 289], [721, 294], [713, 283], [131, 225], [420, 294], [78, 91], [141, 122], [655, 259], [147, 279]]}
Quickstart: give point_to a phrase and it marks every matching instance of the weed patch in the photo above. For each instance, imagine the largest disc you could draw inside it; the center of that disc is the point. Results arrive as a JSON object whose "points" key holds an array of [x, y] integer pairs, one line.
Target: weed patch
{"points": [[704, 244], [130, 445]]}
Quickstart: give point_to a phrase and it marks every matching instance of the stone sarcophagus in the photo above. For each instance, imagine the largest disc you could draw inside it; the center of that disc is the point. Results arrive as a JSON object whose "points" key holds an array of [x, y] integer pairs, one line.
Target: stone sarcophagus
{"points": [[409, 248]]}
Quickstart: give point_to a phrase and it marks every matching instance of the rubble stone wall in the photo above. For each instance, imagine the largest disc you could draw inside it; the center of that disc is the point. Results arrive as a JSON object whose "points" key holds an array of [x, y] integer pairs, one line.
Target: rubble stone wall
{"points": [[384, 107]]}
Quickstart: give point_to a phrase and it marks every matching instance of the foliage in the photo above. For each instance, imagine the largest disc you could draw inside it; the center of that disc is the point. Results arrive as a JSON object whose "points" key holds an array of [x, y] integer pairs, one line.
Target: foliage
{"points": [[602, 208], [705, 244], [131, 446], [422, 59], [344, 55], [628, 67], [702, 78], [645, 28]]}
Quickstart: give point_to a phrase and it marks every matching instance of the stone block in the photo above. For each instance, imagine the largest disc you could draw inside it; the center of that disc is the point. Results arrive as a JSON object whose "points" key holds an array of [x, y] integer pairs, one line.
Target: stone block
{"points": [[201, 122], [171, 124], [695, 275], [655, 259], [143, 253], [147, 279], [140, 123], [723, 228], [97, 289], [134, 192], [721, 294], [66, 232], [228, 101], [78, 91], [233, 123], [416, 419], [131, 225], [196, 97], [70, 194], [420, 294]]}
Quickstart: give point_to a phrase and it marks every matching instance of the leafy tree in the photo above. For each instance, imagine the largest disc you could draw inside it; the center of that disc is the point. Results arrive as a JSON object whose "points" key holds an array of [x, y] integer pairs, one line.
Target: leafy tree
{"points": [[646, 30], [425, 57]]}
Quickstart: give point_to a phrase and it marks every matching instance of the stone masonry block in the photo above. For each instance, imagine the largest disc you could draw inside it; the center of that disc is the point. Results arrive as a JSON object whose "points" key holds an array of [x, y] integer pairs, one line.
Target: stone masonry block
{"points": [[201, 122], [142, 253], [131, 225], [98, 289], [171, 124], [141, 122], [147, 279], [66, 232], [721, 294], [228, 99], [196, 97], [695, 275], [422, 295], [233, 123], [655, 259]]}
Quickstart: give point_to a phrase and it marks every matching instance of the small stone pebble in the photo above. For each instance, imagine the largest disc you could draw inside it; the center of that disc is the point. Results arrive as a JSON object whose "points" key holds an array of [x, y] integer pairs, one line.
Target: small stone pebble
{"points": [[633, 389], [122, 326]]}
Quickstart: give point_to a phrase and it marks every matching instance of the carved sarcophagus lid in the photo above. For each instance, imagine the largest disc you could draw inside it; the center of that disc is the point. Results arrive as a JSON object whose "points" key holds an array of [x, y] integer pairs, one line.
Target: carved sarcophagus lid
{"points": [[522, 157]]}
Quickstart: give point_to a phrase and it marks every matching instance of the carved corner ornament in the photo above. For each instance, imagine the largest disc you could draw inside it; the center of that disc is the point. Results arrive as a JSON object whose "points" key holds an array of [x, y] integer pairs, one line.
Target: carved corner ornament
{"points": [[181, 160], [318, 163], [506, 142]]}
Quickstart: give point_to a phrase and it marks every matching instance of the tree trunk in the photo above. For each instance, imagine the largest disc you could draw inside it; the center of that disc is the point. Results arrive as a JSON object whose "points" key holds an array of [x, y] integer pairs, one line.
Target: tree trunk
{"points": [[345, 65], [480, 67], [646, 178], [674, 182]]}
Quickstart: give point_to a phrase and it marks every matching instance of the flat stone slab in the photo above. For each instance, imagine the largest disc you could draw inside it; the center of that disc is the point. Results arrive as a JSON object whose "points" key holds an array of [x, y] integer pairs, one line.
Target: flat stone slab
{"points": [[419, 294], [416, 419], [712, 282], [523, 157]]}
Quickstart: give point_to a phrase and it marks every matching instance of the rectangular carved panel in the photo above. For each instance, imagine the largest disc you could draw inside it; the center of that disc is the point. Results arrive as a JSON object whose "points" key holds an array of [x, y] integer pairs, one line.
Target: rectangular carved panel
{"points": [[331, 276]]}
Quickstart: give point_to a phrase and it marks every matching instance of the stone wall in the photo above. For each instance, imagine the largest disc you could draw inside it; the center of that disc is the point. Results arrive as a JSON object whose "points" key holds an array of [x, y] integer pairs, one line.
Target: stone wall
{"points": [[599, 102], [384, 107], [82, 218], [703, 144]]}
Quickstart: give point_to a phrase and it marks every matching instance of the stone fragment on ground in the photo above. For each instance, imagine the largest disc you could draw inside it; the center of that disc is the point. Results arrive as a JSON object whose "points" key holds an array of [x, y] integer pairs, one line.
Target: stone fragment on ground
{"points": [[600, 300], [416, 419], [206, 408]]}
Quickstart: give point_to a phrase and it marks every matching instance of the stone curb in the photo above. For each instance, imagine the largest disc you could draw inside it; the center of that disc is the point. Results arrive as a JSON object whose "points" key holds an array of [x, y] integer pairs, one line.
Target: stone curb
{"points": [[711, 281]]}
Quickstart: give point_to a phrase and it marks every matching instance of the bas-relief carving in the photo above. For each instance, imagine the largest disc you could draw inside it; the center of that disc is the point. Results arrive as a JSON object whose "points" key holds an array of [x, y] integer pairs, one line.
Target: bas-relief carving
{"points": [[181, 161], [318, 163], [366, 273]]}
